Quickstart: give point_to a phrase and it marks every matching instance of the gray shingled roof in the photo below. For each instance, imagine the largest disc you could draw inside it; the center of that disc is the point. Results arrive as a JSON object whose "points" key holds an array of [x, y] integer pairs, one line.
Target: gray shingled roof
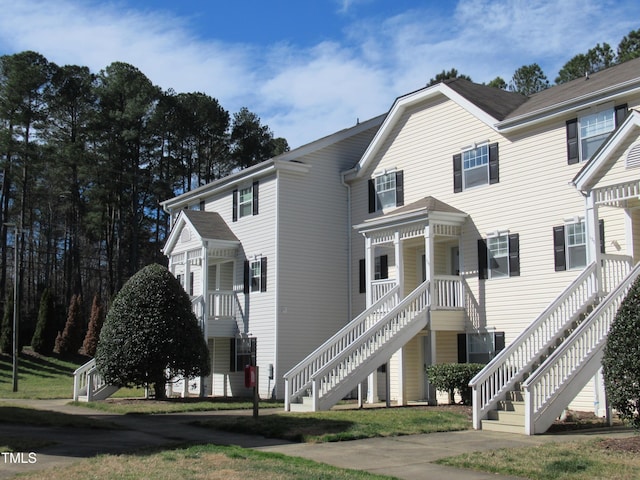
{"points": [[430, 204], [495, 101], [210, 225], [560, 94]]}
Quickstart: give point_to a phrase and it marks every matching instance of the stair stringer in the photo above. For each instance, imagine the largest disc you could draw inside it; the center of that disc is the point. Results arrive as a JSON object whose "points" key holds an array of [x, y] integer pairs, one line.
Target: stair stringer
{"points": [[371, 364]]}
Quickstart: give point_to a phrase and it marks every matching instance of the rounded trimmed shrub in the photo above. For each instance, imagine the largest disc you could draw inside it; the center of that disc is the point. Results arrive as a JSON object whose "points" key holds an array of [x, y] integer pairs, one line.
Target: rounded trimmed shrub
{"points": [[452, 377], [150, 334]]}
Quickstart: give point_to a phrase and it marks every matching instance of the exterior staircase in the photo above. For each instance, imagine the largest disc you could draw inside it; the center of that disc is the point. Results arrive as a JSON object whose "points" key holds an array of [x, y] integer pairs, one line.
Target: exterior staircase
{"points": [[88, 384], [345, 360], [528, 385]]}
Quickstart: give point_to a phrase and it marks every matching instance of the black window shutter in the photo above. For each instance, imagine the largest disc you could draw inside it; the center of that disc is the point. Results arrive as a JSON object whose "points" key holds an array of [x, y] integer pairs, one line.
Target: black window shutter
{"points": [[399, 189], [602, 244], [263, 274], [621, 112], [363, 275], [457, 173], [573, 155], [384, 267], [247, 276], [462, 348], [499, 341], [235, 205], [494, 171], [255, 198], [483, 260], [558, 249], [232, 354], [514, 255], [372, 196]]}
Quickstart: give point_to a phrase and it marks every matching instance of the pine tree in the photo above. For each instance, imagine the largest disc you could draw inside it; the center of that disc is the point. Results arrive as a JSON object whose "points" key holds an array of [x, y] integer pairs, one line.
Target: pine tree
{"points": [[70, 341], [44, 337], [95, 325], [6, 332]]}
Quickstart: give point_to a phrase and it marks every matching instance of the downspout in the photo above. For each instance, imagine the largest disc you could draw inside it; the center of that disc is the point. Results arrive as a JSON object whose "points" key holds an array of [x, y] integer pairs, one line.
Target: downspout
{"points": [[277, 294], [349, 254]]}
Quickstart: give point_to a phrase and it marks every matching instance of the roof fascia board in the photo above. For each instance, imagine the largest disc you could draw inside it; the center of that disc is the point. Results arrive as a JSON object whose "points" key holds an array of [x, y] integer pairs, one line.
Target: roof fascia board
{"points": [[574, 104], [220, 185], [583, 181], [398, 108], [181, 221]]}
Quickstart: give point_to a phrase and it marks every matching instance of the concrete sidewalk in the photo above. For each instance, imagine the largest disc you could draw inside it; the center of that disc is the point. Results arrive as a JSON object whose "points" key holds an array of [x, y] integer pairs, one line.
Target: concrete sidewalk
{"points": [[406, 457]]}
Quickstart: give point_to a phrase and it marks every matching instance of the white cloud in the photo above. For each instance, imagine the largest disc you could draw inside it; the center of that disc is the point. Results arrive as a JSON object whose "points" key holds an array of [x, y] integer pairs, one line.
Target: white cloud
{"points": [[303, 94]]}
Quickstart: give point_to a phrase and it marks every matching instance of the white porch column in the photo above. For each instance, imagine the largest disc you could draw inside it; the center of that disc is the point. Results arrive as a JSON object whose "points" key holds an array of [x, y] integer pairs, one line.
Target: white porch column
{"points": [[428, 258], [369, 265], [397, 244], [205, 291], [593, 237]]}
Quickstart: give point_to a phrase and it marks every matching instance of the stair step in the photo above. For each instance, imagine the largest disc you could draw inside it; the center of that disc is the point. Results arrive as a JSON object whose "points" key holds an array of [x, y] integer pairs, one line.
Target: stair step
{"points": [[506, 417], [305, 406], [496, 426], [511, 406]]}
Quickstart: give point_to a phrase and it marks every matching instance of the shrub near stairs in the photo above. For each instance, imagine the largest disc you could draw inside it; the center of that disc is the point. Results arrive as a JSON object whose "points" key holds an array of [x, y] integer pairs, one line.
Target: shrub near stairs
{"points": [[452, 377]]}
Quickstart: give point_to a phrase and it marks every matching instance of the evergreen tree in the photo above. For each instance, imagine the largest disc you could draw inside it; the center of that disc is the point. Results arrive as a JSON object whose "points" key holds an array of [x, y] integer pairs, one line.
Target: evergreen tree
{"points": [[445, 75], [6, 330], [70, 340], [529, 79], [44, 337], [95, 325], [150, 334], [629, 46], [621, 360]]}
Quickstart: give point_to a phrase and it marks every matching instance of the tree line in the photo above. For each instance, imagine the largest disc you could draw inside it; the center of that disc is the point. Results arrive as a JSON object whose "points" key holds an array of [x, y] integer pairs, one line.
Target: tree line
{"points": [[530, 79], [85, 159]]}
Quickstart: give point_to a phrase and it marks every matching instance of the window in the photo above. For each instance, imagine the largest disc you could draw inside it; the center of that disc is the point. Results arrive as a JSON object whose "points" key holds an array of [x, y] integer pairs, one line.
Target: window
{"points": [[570, 245], [245, 202], [243, 353], [381, 271], [499, 256], [386, 191], [476, 166], [586, 133], [479, 347], [255, 275]]}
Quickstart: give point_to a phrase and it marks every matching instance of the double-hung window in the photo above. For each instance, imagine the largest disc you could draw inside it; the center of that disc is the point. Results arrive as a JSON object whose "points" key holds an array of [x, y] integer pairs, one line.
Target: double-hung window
{"points": [[499, 256], [386, 191], [586, 133], [255, 275], [242, 353], [570, 244], [476, 166], [245, 201]]}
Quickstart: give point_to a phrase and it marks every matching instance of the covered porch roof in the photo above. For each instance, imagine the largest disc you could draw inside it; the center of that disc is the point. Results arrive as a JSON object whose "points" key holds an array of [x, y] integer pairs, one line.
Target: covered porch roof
{"points": [[196, 229], [411, 219]]}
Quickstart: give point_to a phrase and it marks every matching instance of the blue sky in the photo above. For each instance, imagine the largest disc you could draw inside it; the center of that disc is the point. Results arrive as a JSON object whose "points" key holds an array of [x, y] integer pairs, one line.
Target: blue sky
{"points": [[310, 68]]}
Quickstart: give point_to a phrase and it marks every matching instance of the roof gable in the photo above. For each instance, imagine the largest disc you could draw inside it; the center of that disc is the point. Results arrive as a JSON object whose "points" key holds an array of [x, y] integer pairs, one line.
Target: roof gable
{"points": [[488, 104], [209, 226]]}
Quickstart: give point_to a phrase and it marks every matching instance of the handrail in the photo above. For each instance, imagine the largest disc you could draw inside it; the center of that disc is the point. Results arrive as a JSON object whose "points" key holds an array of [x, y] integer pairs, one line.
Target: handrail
{"points": [[512, 363], [80, 377], [566, 361], [338, 368], [298, 378]]}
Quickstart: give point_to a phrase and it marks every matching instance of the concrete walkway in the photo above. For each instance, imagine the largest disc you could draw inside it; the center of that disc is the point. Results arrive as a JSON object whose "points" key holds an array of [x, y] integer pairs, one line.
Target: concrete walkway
{"points": [[406, 457]]}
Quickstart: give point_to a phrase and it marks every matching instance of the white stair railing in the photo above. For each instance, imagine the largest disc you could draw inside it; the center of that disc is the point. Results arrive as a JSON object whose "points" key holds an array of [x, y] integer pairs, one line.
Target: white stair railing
{"points": [[87, 382], [298, 379], [371, 349], [561, 377], [512, 363]]}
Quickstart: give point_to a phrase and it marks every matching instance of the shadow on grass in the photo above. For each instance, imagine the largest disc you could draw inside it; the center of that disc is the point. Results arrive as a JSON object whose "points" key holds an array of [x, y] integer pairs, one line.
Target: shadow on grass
{"points": [[291, 428], [47, 418]]}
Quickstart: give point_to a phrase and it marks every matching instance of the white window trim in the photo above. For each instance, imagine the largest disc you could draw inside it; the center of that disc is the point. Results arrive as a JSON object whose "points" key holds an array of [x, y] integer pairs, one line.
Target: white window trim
{"points": [[493, 235], [253, 262], [470, 148], [573, 221], [244, 203], [610, 106], [392, 174]]}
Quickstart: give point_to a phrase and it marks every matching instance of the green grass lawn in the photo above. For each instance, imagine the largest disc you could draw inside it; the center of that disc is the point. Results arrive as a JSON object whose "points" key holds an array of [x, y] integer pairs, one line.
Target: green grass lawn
{"points": [[561, 461], [338, 425], [205, 461], [175, 405]]}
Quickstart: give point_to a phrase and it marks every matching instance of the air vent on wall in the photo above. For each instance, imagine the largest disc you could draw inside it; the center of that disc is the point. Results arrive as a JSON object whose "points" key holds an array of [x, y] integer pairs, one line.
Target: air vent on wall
{"points": [[633, 157]]}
